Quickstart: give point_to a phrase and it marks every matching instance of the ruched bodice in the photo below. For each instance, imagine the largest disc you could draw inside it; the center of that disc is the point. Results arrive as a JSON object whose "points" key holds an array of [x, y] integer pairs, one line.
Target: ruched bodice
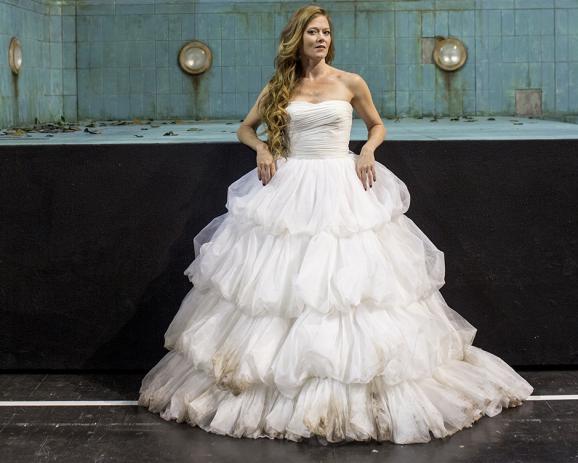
{"points": [[319, 130]]}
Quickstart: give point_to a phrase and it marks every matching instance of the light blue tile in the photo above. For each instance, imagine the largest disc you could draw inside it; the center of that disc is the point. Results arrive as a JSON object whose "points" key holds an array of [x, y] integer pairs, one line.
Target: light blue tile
{"points": [[175, 81], [123, 107], [162, 53], [521, 51], [135, 54], [573, 47], [136, 82], [455, 23], [149, 78], [83, 55], [535, 75], [362, 24], [229, 105], [149, 105], [548, 48], [415, 77], [242, 52], [163, 81], [561, 48], [547, 22], [268, 50], [427, 72], [508, 49], [522, 20], [255, 84], [508, 23], [242, 26], [361, 51], [136, 105], [175, 32], [189, 28], [415, 103], [441, 23], [561, 22], [228, 52], [148, 52], [56, 55], [401, 24], [69, 82], [55, 81], [346, 52], [242, 103], [428, 103], [389, 77], [402, 103], [482, 77], [134, 9], [402, 77], [548, 101], [69, 28], [228, 74], [242, 79], [69, 108], [427, 24], [548, 75], [495, 76], [573, 84], [407, 51], [69, 55], [562, 79], [534, 4], [566, 4], [534, 47]]}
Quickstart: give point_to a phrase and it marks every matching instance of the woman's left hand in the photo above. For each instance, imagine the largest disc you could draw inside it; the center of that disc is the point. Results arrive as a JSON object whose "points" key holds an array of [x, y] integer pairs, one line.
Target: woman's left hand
{"points": [[365, 167]]}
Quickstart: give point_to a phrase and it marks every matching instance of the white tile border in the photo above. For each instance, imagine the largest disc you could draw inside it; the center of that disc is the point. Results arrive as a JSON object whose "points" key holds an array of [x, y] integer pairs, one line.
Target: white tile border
{"points": [[130, 403]]}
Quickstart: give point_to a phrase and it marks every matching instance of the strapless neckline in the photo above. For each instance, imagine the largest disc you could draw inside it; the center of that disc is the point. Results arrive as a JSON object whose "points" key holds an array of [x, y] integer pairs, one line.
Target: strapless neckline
{"points": [[321, 102]]}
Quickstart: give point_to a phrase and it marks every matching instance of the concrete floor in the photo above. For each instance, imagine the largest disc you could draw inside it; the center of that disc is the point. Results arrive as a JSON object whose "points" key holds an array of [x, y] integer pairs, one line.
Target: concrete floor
{"points": [[471, 128], [543, 429]]}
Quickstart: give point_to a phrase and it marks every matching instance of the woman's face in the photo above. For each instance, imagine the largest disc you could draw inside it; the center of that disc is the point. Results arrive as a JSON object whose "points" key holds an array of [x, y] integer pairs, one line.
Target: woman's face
{"points": [[316, 39]]}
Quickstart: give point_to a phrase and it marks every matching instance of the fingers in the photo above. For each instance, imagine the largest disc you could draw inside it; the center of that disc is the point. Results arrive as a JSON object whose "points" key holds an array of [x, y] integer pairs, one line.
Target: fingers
{"points": [[266, 172], [367, 175]]}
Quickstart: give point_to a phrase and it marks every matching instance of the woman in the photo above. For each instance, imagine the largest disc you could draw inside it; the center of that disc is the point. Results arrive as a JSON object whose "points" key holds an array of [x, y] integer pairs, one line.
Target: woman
{"points": [[316, 310]]}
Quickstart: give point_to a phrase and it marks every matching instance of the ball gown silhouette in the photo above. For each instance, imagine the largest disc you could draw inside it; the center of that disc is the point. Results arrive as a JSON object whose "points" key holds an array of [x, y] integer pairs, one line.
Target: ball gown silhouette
{"points": [[315, 311]]}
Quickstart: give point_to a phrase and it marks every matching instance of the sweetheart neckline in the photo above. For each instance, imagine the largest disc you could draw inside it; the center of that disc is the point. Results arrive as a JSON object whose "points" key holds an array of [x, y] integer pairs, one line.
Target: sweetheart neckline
{"points": [[320, 102]]}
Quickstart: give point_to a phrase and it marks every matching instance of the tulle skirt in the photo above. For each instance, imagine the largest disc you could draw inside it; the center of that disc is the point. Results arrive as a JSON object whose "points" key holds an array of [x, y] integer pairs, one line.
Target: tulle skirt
{"points": [[315, 311]]}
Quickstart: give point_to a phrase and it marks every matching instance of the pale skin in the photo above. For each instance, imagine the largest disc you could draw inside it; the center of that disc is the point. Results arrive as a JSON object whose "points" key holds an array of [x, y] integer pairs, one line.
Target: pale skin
{"points": [[321, 82]]}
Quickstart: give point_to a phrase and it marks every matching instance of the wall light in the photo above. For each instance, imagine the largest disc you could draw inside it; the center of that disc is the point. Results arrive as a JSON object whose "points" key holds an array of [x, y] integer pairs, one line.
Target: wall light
{"points": [[195, 57], [449, 53], [15, 55]]}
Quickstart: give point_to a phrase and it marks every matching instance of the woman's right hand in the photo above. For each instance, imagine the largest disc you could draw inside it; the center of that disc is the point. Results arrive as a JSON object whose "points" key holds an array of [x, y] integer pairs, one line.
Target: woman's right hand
{"points": [[265, 164]]}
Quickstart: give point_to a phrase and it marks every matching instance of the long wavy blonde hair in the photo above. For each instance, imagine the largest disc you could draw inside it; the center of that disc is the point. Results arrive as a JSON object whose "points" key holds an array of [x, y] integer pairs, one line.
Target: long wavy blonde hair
{"points": [[288, 71]]}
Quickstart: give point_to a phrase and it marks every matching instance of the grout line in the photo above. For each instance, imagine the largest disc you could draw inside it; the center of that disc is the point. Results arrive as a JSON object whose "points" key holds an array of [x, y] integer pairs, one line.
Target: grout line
{"points": [[116, 403]]}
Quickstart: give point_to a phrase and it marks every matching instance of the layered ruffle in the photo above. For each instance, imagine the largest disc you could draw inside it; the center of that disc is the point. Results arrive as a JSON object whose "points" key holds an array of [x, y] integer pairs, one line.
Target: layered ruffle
{"points": [[316, 310], [320, 241], [239, 351], [457, 394]]}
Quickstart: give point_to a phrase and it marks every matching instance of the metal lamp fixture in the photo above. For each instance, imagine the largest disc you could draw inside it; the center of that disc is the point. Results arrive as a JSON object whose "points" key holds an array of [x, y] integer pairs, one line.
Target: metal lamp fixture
{"points": [[15, 55], [449, 53], [195, 57]]}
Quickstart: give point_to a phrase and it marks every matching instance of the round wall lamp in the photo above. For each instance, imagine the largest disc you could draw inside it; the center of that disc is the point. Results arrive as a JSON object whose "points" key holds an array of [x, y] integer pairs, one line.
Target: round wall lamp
{"points": [[195, 57], [15, 55], [449, 53]]}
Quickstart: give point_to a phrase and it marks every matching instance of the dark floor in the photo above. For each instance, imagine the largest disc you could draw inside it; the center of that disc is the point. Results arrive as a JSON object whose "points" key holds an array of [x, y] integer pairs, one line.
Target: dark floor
{"points": [[538, 431]]}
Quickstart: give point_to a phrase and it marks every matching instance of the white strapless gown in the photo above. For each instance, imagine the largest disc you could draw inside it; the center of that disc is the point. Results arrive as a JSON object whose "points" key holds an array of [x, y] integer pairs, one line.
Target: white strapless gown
{"points": [[316, 311]]}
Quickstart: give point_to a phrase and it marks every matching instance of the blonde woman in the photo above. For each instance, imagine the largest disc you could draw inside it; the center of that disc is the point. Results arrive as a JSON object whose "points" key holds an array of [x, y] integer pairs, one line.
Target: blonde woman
{"points": [[315, 310]]}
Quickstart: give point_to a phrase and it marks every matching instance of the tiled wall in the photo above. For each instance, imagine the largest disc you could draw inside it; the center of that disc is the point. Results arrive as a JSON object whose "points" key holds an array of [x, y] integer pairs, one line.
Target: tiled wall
{"points": [[120, 56], [37, 90]]}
